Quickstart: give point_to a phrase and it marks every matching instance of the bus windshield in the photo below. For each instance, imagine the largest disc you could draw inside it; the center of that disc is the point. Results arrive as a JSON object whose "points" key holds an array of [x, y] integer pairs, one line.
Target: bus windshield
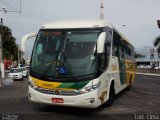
{"points": [[65, 53]]}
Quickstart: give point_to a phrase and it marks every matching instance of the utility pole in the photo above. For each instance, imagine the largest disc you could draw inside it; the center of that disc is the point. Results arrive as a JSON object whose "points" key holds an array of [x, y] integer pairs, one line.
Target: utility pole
{"points": [[101, 10], [1, 51], [158, 23], [1, 41], [18, 56], [1, 47]]}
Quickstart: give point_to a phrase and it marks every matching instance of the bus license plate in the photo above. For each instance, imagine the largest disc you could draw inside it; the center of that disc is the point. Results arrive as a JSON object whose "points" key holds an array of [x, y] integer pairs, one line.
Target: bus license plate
{"points": [[57, 100]]}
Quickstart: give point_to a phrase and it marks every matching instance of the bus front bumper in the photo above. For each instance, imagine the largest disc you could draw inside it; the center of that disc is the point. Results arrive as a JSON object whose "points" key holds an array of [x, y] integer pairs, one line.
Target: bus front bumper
{"points": [[86, 100]]}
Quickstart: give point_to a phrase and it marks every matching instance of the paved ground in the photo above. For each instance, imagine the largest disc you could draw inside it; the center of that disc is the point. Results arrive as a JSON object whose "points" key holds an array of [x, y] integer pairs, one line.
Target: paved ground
{"points": [[151, 71], [142, 100]]}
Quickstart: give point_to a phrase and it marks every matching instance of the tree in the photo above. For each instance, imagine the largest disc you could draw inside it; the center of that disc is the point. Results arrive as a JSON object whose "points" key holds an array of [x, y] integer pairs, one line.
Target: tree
{"points": [[9, 44]]}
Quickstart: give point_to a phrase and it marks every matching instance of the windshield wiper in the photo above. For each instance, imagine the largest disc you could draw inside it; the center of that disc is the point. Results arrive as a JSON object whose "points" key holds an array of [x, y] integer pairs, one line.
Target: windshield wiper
{"points": [[68, 65], [65, 59], [50, 64]]}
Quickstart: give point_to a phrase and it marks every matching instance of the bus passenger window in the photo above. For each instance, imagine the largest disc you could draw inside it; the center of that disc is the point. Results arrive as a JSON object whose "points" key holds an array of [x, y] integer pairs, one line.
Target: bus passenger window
{"points": [[115, 50], [116, 44]]}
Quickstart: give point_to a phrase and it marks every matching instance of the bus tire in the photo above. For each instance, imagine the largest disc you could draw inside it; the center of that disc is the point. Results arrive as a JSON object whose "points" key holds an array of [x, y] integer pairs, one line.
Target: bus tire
{"points": [[130, 83], [111, 95]]}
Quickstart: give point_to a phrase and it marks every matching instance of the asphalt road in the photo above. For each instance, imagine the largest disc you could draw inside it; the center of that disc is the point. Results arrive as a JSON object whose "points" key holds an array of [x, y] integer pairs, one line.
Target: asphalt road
{"points": [[142, 101]]}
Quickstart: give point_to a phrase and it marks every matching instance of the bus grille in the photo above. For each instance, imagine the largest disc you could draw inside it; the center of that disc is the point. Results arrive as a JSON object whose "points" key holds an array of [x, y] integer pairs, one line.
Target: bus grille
{"points": [[58, 92]]}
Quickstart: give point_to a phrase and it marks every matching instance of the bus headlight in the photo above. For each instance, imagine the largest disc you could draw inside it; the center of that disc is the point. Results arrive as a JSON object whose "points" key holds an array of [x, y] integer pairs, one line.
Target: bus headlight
{"points": [[89, 88], [32, 84]]}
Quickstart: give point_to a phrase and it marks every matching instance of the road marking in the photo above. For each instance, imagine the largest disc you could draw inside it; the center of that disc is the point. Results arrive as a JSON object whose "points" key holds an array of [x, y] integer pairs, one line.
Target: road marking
{"points": [[148, 74], [156, 101], [155, 85], [151, 93], [150, 78]]}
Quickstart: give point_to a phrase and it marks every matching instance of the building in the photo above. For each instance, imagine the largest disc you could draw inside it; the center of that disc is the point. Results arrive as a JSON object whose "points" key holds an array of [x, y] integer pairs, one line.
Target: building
{"points": [[148, 56]]}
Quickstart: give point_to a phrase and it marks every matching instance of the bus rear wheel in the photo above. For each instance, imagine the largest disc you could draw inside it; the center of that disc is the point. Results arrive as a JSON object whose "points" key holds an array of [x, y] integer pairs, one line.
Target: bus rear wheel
{"points": [[111, 96], [130, 83]]}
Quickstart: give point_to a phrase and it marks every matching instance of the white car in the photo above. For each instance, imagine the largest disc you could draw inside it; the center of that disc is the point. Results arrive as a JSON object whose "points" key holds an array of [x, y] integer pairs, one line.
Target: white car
{"points": [[15, 73], [24, 71], [157, 68], [147, 67], [140, 66]]}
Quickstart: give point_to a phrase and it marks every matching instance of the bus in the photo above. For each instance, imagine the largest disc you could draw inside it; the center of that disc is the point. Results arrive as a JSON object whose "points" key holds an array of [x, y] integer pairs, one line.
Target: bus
{"points": [[80, 63]]}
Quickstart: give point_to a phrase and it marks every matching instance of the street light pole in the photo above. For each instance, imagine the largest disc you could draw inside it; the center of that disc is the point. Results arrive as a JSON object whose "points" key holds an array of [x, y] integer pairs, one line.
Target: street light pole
{"points": [[18, 56], [1, 51], [158, 23]]}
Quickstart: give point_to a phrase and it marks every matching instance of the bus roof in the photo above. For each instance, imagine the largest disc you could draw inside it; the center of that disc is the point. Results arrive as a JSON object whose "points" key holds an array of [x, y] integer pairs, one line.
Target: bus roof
{"points": [[76, 24], [124, 37], [71, 24]]}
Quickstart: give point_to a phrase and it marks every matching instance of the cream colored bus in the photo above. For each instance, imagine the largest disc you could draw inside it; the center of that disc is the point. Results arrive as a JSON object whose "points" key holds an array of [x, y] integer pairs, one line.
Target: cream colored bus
{"points": [[80, 63]]}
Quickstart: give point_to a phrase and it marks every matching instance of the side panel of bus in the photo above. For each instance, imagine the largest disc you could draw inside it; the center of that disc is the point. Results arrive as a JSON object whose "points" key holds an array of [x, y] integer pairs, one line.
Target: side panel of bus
{"points": [[124, 53]]}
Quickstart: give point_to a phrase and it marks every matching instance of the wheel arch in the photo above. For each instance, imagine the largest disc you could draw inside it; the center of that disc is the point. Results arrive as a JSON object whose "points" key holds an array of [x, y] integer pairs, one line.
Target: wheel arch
{"points": [[112, 82]]}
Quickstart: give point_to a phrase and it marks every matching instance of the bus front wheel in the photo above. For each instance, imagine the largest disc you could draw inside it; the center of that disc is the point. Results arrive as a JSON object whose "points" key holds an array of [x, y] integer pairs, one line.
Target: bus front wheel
{"points": [[111, 95]]}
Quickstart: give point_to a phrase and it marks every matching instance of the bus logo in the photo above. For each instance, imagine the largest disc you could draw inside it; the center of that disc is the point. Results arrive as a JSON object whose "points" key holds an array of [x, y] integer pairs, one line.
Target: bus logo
{"points": [[57, 92]]}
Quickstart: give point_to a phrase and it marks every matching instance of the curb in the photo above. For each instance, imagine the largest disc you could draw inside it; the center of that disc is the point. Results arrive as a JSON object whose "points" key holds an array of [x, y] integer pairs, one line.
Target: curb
{"points": [[148, 74]]}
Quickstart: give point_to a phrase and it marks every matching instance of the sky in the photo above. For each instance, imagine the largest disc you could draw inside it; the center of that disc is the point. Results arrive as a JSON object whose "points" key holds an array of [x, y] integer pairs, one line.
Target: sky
{"points": [[139, 16]]}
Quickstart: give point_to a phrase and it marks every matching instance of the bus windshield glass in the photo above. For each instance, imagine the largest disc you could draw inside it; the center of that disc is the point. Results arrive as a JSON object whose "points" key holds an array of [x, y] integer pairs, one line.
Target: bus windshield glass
{"points": [[65, 53]]}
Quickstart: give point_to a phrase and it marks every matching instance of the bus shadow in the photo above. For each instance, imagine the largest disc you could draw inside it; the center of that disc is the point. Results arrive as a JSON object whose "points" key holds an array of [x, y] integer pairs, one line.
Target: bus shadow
{"points": [[66, 110]]}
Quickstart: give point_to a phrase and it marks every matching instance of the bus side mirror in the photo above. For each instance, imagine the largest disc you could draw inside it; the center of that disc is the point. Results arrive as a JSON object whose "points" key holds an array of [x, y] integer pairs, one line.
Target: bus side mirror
{"points": [[101, 42], [25, 38]]}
